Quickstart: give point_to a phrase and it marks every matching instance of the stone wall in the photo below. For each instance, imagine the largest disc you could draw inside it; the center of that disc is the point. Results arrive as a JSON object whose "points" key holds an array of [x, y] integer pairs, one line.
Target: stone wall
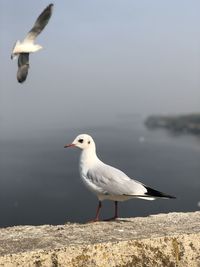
{"points": [[160, 240]]}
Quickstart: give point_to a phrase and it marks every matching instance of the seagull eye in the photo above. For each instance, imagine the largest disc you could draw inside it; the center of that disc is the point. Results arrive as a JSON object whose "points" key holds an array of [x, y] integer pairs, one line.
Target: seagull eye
{"points": [[80, 141], [88, 142]]}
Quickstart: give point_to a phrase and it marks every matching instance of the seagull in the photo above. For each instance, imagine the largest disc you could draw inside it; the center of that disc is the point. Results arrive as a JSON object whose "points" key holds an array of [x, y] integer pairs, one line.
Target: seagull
{"points": [[22, 49], [107, 182]]}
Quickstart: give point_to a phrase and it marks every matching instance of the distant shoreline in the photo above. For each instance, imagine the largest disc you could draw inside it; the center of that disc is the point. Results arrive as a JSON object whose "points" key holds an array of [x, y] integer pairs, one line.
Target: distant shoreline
{"points": [[177, 123]]}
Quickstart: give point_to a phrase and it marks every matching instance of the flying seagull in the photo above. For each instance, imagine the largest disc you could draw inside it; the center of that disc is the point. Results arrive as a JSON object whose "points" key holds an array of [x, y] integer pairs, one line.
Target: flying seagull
{"points": [[22, 49], [106, 181]]}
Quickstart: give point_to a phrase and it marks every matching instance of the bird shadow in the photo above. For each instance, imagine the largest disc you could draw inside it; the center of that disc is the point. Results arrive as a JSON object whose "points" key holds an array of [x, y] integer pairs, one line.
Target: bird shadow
{"points": [[109, 221]]}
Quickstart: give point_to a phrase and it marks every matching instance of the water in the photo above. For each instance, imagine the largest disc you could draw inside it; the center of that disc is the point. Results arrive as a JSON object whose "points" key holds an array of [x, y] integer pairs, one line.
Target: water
{"points": [[40, 182]]}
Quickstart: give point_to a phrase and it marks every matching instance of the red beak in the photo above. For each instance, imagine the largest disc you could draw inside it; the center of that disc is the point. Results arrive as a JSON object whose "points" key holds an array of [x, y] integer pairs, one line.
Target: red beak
{"points": [[70, 145]]}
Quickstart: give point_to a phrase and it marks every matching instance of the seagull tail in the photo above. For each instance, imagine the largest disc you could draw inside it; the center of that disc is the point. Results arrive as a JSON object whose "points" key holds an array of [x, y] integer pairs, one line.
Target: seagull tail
{"points": [[157, 194]]}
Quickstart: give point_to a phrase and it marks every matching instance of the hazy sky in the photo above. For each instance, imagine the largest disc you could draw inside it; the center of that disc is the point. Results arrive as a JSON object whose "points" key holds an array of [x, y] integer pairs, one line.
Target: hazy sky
{"points": [[100, 58]]}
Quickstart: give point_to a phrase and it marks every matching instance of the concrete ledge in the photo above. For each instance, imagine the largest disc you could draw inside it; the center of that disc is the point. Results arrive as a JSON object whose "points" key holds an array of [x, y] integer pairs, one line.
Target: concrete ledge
{"points": [[160, 240]]}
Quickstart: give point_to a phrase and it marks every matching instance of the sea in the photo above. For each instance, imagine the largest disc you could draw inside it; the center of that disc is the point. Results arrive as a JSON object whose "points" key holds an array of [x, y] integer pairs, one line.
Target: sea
{"points": [[40, 182]]}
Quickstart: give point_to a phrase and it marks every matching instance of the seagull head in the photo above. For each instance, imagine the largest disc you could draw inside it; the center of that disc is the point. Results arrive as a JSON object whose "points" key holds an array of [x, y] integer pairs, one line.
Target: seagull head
{"points": [[82, 141], [15, 50], [13, 56]]}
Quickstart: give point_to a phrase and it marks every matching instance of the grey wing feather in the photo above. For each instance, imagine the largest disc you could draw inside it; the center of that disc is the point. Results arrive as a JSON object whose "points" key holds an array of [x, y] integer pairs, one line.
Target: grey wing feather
{"points": [[114, 182], [23, 66], [40, 23], [23, 59]]}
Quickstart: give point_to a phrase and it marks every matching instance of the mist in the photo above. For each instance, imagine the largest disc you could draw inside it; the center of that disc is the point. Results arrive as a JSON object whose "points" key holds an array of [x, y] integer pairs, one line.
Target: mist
{"points": [[100, 59], [106, 65]]}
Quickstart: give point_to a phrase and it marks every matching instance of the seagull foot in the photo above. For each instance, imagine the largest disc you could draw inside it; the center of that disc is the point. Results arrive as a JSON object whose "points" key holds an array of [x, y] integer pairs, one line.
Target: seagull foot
{"points": [[110, 219], [93, 221]]}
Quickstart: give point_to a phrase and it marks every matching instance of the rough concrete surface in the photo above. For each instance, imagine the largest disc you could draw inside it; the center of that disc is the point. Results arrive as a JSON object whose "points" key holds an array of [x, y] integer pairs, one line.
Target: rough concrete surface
{"points": [[159, 240]]}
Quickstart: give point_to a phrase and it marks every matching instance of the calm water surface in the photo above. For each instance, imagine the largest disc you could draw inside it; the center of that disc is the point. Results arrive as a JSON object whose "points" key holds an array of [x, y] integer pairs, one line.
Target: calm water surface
{"points": [[40, 182]]}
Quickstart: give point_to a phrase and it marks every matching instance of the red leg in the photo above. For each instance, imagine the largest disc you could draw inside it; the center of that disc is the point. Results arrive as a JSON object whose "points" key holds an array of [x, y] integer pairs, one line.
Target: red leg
{"points": [[116, 213], [96, 219]]}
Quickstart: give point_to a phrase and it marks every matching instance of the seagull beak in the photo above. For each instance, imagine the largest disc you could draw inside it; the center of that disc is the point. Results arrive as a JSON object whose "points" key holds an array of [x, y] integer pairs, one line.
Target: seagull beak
{"points": [[13, 56], [70, 145]]}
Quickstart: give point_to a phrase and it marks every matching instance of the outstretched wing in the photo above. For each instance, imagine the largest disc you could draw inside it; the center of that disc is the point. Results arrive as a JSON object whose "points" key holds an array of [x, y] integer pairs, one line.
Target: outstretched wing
{"points": [[40, 24], [23, 66]]}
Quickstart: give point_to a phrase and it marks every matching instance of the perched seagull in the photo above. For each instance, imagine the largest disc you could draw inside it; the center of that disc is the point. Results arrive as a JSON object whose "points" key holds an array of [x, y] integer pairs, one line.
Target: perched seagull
{"points": [[22, 49], [106, 181]]}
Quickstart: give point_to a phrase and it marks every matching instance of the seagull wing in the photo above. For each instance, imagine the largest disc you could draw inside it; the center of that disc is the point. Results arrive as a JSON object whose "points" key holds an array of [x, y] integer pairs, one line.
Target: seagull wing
{"points": [[23, 66], [40, 24], [111, 181]]}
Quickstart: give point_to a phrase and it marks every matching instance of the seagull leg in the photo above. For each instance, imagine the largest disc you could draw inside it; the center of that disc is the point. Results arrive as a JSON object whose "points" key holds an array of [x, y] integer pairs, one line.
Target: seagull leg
{"points": [[116, 210], [116, 213], [96, 219]]}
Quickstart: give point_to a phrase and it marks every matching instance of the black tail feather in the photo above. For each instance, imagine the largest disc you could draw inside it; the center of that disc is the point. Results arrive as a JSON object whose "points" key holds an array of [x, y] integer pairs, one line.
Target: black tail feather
{"points": [[154, 193]]}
